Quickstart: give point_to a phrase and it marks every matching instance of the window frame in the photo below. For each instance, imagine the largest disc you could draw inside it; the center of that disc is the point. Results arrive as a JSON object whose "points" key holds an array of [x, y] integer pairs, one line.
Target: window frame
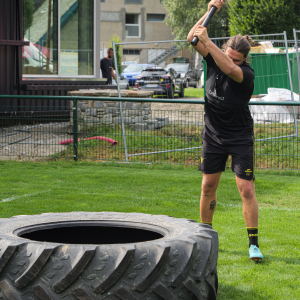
{"points": [[133, 25], [139, 50], [156, 20], [96, 49], [141, 2]]}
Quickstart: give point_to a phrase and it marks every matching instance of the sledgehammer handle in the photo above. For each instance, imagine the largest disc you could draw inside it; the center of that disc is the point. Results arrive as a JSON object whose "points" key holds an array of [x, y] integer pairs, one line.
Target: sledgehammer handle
{"points": [[195, 40]]}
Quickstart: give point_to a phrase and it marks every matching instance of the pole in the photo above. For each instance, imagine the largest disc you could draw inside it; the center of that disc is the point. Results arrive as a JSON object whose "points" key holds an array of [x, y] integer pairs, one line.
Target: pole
{"points": [[297, 54], [119, 95], [291, 82], [75, 130], [48, 35]]}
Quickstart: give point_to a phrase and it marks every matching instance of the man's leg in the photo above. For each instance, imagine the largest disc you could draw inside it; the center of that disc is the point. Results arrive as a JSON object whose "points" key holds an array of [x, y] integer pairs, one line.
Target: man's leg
{"points": [[208, 199], [250, 212], [250, 205]]}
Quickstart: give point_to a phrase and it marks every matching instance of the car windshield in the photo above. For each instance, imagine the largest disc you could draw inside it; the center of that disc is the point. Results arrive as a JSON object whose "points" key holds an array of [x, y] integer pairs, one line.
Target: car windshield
{"points": [[134, 68], [179, 67]]}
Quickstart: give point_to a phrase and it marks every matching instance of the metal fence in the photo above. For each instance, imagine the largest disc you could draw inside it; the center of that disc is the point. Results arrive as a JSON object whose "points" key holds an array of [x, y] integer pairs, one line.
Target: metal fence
{"points": [[150, 134], [155, 130], [297, 47], [155, 52]]}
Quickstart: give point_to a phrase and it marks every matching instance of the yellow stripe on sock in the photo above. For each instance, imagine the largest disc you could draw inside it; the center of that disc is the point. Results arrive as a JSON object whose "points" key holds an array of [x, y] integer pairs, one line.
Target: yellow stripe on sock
{"points": [[252, 228]]}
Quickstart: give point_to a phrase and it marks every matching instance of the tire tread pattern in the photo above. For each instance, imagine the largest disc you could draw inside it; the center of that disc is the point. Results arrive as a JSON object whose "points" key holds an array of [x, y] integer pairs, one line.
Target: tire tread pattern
{"points": [[162, 254], [42, 255], [9, 291], [42, 293], [7, 250], [124, 294], [164, 293], [124, 259], [181, 265], [82, 294], [77, 268]]}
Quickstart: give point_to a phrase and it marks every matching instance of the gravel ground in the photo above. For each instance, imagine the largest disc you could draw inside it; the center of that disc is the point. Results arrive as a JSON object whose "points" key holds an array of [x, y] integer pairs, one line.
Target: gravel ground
{"points": [[32, 142], [180, 113]]}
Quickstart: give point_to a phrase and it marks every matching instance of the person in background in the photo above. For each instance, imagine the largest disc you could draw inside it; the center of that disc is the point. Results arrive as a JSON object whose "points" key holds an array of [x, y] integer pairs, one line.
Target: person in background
{"points": [[106, 66]]}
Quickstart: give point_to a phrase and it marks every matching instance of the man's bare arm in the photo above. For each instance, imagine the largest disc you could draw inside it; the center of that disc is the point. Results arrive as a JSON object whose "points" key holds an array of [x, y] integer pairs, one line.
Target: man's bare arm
{"points": [[224, 62], [200, 47]]}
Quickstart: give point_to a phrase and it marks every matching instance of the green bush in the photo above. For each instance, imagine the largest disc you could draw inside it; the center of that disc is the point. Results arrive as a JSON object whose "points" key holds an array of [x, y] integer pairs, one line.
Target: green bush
{"points": [[118, 53], [263, 17]]}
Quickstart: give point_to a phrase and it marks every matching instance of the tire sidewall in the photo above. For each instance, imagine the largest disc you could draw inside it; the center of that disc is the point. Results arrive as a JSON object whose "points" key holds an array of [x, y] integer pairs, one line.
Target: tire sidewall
{"points": [[186, 252]]}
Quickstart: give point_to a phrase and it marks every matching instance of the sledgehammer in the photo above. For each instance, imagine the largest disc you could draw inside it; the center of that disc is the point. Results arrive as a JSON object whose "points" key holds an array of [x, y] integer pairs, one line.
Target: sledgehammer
{"points": [[212, 11]]}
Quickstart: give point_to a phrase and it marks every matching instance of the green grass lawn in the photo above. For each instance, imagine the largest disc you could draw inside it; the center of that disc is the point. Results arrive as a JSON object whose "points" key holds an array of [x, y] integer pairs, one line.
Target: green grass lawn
{"points": [[33, 188], [188, 92], [192, 92]]}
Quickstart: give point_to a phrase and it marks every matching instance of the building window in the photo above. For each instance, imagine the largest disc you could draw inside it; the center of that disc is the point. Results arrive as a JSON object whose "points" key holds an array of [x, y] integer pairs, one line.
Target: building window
{"points": [[73, 55], [132, 26], [133, 1], [40, 27], [76, 38], [131, 51], [156, 17]]}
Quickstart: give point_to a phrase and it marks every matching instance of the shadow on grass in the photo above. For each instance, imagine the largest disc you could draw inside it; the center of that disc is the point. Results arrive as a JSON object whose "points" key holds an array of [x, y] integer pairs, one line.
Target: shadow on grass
{"points": [[230, 292], [268, 259]]}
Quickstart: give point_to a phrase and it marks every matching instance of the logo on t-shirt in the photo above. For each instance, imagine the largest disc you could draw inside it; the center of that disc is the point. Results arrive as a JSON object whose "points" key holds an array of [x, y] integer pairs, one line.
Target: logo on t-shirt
{"points": [[248, 172], [214, 94]]}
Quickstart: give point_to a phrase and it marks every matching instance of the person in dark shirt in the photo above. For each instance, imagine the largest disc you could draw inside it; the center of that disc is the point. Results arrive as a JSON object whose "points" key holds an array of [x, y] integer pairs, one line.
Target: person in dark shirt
{"points": [[106, 65], [228, 126]]}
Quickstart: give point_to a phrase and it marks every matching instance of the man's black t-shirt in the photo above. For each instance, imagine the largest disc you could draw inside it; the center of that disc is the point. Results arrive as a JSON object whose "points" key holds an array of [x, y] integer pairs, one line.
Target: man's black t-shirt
{"points": [[227, 115], [106, 66]]}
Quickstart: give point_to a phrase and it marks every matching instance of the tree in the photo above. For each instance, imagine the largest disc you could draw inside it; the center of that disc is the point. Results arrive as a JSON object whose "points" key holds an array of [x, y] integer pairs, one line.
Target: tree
{"points": [[183, 14], [263, 17], [118, 53], [28, 10]]}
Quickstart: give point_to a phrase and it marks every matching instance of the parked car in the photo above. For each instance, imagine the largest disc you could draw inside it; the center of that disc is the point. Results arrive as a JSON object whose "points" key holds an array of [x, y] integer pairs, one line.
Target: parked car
{"points": [[132, 71], [161, 81], [188, 74], [124, 84]]}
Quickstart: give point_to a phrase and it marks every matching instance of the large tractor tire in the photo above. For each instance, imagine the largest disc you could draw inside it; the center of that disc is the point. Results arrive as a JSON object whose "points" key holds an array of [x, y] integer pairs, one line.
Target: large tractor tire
{"points": [[107, 255]]}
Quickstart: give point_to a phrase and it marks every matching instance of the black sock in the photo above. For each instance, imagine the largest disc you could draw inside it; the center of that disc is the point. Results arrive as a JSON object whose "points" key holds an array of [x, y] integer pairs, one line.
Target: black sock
{"points": [[253, 236]]}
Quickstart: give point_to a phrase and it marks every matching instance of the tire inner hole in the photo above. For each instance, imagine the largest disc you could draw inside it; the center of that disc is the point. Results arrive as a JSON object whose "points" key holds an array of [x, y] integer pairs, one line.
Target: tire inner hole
{"points": [[87, 234]]}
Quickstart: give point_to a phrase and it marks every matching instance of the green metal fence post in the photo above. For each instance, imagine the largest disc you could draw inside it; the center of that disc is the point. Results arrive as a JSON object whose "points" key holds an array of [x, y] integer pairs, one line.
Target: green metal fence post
{"points": [[75, 130]]}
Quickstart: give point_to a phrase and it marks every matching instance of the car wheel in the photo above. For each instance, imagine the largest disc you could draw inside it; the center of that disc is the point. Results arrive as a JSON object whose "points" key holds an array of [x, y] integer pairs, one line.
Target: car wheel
{"points": [[171, 92], [181, 93], [107, 255]]}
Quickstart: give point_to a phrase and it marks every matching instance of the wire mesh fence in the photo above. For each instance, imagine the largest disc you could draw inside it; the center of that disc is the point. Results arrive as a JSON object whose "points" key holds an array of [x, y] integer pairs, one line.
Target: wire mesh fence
{"points": [[27, 133], [165, 67], [136, 130], [274, 65], [152, 135]]}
